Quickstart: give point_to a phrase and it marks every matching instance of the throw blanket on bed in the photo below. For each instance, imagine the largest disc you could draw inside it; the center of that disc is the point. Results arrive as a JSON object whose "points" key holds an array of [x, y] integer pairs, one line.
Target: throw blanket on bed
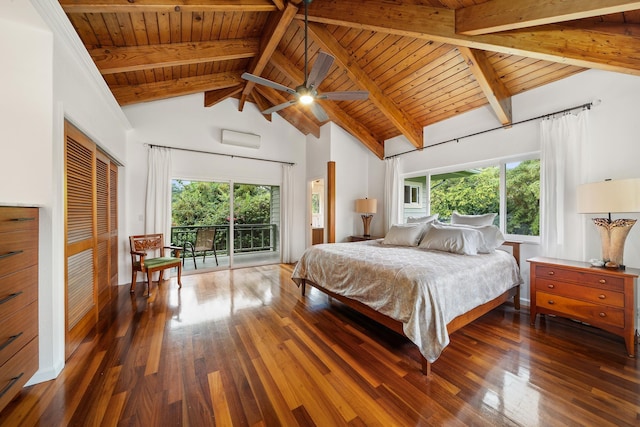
{"points": [[423, 289]]}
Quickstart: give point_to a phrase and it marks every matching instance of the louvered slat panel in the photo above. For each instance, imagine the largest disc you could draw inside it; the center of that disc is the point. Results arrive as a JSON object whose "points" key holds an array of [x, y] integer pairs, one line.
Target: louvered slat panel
{"points": [[102, 190], [79, 286], [113, 218], [79, 185]]}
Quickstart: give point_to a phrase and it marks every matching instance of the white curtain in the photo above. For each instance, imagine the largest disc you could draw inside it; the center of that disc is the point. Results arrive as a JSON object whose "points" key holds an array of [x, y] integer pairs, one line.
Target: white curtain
{"points": [[391, 192], [564, 142], [286, 202], [158, 201]]}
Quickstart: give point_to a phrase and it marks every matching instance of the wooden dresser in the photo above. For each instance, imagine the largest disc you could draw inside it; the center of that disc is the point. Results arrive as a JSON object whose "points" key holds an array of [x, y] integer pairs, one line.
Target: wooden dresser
{"points": [[18, 299], [598, 296]]}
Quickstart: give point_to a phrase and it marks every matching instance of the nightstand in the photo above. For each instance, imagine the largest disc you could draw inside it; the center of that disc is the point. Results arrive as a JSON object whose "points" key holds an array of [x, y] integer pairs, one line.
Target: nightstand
{"points": [[599, 296], [362, 238]]}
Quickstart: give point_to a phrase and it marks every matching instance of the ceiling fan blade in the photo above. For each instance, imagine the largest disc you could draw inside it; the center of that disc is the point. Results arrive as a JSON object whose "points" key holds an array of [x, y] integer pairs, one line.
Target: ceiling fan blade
{"points": [[262, 81], [280, 106], [345, 95], [319, 112], [320, 69]]}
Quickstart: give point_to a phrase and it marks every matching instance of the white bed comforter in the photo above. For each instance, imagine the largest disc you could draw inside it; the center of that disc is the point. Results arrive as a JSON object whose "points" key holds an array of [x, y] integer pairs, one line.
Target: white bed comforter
{"points": [[423, 289]]}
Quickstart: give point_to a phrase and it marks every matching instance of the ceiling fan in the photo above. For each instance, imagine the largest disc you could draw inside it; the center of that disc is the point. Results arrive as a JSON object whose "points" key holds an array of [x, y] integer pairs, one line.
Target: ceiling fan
{"points": [[307, 93]]}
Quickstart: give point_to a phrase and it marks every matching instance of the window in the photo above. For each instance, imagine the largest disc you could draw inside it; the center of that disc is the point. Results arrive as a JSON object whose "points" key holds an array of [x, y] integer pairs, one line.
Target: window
{"points": [[511, 189], [412, 194]]}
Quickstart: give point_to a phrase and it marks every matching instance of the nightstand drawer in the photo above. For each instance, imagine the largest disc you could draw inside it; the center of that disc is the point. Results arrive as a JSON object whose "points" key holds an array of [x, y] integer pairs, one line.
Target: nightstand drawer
{"points": [[585, 293], [581, 310], [587, 278]]}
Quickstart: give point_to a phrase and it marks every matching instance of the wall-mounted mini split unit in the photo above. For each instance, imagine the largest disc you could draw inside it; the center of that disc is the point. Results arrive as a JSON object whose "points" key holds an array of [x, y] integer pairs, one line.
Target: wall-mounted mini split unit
{"points": [[240, 139]]}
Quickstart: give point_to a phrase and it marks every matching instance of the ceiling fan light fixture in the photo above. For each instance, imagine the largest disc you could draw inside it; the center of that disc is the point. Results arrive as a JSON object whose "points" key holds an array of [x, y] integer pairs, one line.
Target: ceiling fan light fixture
{"points": [[306, 99]]}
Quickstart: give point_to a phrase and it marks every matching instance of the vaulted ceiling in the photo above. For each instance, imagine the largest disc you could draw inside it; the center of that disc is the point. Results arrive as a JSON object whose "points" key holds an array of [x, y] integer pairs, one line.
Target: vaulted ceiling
{"points": [[421, 61]]}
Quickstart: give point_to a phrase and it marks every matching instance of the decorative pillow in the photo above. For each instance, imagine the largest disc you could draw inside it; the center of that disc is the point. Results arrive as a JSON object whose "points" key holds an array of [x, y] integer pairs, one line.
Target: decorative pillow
{"points": [[404, 234], [458, 240], [422, 219], [477, 220], [491, 234]]}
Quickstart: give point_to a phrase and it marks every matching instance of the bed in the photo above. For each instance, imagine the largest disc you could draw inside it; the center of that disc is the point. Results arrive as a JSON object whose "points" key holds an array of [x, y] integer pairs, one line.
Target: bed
{"points": [[422, 294]]}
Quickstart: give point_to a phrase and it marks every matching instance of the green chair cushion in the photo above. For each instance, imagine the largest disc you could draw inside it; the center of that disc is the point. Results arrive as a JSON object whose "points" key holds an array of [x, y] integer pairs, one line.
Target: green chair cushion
{"points": [[161, 262]]}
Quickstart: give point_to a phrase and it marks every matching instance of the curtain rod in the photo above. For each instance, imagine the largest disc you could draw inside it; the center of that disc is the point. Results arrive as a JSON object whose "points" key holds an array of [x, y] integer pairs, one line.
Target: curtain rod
{"points": [[220, 154], [587, 106]]}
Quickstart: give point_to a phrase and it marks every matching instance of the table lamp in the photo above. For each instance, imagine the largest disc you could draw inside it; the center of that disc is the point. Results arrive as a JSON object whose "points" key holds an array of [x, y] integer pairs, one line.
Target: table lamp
{"points": [[618, 196], [366, 207]]}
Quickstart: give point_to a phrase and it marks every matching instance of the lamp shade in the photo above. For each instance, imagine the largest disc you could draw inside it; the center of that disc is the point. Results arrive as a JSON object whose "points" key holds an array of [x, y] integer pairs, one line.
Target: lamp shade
{"points": [[622, 195], [366, 206]]}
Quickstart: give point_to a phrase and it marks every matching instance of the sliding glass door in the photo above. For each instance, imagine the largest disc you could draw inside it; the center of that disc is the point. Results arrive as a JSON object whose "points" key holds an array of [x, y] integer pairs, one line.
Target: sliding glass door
{"points": [[244, 217], [256, 224]]}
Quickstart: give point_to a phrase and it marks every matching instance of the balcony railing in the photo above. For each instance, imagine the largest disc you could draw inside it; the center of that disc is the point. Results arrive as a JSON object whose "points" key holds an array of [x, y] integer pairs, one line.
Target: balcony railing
{"points": [[248, 237]]}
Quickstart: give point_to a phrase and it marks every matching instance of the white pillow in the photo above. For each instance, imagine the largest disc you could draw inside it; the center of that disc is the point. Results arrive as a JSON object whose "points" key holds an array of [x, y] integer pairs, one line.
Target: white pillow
{"points": [[491, 234], [422, 219], [477, 220], [458, 240], [404, 234]]}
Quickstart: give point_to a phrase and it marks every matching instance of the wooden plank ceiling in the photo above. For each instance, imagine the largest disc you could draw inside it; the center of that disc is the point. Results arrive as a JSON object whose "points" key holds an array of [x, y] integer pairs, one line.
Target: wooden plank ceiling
{"points": [[421, 61]]}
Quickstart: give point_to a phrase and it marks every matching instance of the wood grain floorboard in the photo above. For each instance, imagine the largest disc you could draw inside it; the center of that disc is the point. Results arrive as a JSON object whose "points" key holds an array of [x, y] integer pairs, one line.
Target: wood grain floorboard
{"points": [[243, 348]]}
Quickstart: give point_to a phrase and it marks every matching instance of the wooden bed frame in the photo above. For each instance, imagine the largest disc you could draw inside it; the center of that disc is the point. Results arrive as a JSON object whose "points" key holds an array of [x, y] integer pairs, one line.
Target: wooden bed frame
{"points": [[454, 325]]}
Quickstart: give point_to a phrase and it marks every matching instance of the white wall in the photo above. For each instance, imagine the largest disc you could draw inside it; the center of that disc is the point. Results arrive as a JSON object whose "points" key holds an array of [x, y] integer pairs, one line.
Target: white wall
{"points": [[352, 181], [184, 122], [614, 149]]}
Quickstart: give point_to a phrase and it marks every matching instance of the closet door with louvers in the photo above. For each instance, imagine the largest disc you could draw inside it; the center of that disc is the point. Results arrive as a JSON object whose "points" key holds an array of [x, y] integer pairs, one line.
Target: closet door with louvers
{"points": [[113, 227], [81, 273], [103, 214]]}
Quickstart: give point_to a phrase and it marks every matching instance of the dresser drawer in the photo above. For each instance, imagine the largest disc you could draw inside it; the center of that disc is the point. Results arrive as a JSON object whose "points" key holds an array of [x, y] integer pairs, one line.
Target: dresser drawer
{"points": [[12, 219], [591, 313], [18, 290], [585, 293], [17, 330], [18, 249], [593, 277], [17, 371]]}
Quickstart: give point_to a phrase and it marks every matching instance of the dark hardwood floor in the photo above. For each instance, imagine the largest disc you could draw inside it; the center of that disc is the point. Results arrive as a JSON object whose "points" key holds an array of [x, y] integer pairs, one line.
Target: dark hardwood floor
{"points": [[242, 348]]}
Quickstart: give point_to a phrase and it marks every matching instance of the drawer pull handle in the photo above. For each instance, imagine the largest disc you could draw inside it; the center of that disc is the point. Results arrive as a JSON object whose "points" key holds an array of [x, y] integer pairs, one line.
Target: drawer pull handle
{"points": [[10, 340], [551, 302], [11, 383], [10, 297], [602, 296], [551, 273], [603, 314], [602, 281], [22, 219], [551, 286], [12, 253]]}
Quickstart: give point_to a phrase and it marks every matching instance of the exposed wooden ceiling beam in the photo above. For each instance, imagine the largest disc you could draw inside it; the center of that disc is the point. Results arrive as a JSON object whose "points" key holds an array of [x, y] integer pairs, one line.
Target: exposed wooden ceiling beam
{"points": [[615, 52], [497, 94], [336, 114], [262, 103], [293, 115], [505, 15], [113, 59], [405, 124], [213, 97], [161, 6], [126, 95], [273, 34]]}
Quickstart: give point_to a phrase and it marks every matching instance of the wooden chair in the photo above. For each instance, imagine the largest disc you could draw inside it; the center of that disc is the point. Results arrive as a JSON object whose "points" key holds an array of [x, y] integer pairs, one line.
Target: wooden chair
{"points": [[144, 259], [205, 242]]}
